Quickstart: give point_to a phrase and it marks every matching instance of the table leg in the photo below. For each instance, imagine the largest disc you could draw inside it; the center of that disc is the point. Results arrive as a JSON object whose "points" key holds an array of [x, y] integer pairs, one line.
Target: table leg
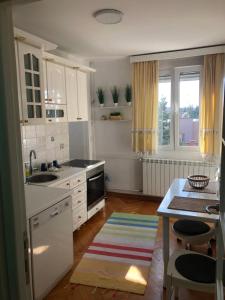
{"points": [[166, 247]]}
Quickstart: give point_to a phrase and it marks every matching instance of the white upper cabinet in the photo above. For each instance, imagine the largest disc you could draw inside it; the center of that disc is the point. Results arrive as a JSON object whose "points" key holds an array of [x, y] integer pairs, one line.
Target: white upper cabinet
{"points": [[71, 94], [82, 88], [77, 95], [55, 83], [29, 63]]}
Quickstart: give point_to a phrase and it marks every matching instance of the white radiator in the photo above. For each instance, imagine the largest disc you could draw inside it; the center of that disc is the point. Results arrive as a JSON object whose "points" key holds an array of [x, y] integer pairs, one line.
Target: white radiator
{"points": [[158, 174]]}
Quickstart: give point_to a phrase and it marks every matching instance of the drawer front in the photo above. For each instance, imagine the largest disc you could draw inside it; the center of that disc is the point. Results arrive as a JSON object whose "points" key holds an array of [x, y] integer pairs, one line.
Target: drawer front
{"points": [[64, 185], [79, 217], [79, 200], [96, 208], [79, 190], [75, 181]]}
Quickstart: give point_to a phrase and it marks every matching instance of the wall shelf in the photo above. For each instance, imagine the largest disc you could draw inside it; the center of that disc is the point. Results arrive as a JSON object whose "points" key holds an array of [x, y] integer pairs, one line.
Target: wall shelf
{"points": [[113, 107], [113, 121]]}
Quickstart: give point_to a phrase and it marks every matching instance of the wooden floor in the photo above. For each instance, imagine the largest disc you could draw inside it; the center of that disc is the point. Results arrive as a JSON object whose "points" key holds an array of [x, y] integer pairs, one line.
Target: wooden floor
{"points": [[84, 236]]}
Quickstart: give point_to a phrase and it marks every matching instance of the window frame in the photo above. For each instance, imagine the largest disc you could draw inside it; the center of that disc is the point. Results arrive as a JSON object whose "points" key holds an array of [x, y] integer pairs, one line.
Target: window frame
{"points": [[169, 73], [174, 74]]}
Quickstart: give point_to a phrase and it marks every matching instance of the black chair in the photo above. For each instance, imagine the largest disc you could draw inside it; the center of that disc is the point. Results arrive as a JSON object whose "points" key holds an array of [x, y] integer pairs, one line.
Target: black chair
{"points": [[194, 233]]}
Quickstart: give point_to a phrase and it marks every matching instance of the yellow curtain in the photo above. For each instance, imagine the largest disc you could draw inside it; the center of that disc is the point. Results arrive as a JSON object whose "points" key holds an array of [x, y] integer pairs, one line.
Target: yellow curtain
{"points": [[211, 105], [145, 106]]}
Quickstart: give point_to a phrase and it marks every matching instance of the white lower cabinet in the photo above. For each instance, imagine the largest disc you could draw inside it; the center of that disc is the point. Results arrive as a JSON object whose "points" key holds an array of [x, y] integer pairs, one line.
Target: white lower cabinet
{"points": [[79, 207], [79, 198]]}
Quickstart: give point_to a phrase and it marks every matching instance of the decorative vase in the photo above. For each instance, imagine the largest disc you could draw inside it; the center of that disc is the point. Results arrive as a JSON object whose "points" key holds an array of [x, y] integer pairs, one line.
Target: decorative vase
{"points": [[115, 103], [101, 104], [129, 103]]}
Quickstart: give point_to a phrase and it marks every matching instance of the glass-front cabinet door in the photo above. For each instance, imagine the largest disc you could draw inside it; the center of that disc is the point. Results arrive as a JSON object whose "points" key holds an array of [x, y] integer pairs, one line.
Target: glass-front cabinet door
{"points": [[31, 83]]}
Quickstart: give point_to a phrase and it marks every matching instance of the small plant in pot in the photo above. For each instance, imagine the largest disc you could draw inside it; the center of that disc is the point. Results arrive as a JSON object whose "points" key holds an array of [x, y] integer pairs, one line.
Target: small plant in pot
{"points": [[101, 96], [115, 95], [128, 94]]}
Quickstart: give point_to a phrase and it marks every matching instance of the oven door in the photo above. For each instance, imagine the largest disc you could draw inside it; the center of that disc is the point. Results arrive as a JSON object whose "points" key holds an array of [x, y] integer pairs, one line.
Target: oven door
{"points": [[95, 189]]}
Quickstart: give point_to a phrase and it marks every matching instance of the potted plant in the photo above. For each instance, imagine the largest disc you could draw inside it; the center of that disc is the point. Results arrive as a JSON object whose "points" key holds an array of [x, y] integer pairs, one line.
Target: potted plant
{"points": [[115, 95], [128, 94], [101, 96]]}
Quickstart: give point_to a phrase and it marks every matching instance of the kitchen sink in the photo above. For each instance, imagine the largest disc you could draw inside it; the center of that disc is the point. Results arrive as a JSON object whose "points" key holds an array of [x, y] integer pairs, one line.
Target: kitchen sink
{"points": [[41, 178]]}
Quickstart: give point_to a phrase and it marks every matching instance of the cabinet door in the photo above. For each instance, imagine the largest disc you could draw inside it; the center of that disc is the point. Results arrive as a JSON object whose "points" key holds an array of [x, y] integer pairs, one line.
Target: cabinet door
{"points": [[71, 94], [55, 77], [82, 96], [31, 83]]}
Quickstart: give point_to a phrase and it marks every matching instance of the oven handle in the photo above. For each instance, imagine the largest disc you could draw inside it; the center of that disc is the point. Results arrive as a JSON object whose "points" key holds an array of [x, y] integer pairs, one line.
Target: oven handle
{"points": [[95, 178]]}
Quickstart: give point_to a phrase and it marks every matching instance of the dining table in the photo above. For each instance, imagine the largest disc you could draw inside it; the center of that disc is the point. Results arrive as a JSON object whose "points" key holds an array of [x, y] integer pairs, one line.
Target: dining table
{"points": [[177, 190]]}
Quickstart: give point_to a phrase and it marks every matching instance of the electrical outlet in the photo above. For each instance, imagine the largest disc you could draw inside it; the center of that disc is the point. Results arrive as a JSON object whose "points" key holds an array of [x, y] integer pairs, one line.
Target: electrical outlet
{"points": [[61, 146], [52, 139]]}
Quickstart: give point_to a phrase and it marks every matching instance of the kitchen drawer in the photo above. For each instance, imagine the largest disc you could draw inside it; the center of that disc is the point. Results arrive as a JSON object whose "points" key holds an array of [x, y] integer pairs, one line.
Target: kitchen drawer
{"points": [[79, 217], [64, 185], [96, 208], [80, 189], [75, 181], [81, 199]]}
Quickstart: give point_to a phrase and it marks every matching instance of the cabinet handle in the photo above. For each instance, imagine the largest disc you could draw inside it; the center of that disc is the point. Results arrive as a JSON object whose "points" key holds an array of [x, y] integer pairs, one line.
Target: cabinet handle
{"points": [[79, 202], [50, 120], [79, 118], [36, 224], [79, 191], [67, 184], [26, 121], [78, 180], [79, 217], [54, 214]]}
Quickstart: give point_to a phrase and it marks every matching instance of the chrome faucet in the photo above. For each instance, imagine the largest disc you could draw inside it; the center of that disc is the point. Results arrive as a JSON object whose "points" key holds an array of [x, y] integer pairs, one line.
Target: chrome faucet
{"points": [[35, 156]]}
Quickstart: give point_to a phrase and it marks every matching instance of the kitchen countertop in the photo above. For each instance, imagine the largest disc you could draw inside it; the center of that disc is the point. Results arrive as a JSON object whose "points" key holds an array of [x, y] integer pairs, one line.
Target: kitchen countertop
{"points": [[62, 173], [39, 198]]}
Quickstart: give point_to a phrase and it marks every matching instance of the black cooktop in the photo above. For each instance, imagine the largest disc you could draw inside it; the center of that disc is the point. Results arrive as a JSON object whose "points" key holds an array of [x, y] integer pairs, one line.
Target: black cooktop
{"points": [[80, 163]]}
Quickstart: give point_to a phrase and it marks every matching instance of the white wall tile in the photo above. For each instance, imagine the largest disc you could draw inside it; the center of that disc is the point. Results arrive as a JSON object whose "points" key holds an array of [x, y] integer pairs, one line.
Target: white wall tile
{"points": [[39, 138], [30, 132], [40, 131]]}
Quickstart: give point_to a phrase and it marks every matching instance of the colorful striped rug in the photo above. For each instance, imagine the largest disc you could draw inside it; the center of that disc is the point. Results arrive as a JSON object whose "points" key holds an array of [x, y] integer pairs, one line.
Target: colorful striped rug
{"points": [[120, 256]]}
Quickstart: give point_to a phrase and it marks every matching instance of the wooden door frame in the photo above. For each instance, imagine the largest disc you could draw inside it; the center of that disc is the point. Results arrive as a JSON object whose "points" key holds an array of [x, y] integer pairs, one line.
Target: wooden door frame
{"points": [[13, 232]]}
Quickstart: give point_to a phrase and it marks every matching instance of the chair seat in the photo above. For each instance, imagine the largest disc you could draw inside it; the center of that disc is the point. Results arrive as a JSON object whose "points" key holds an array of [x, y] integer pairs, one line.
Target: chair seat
{"points": [[196, 267], [191, 228]]}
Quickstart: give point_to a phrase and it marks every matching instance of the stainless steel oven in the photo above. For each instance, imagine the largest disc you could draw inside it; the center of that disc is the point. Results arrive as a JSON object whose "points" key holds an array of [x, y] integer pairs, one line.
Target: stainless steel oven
{"points": [[95, 186]]}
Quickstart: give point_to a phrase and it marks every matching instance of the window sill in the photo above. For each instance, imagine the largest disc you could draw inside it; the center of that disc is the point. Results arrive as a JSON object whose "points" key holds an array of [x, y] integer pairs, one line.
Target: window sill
{"points": [[179, 155]]}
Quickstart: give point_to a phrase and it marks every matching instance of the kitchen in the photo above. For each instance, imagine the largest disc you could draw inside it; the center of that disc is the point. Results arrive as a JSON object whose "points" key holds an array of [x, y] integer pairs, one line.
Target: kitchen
{"points": [[80, 173]]}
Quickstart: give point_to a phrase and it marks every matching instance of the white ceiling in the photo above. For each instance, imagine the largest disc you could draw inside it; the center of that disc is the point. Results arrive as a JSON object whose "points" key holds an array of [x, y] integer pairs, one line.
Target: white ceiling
{"points": [[147, 26]]}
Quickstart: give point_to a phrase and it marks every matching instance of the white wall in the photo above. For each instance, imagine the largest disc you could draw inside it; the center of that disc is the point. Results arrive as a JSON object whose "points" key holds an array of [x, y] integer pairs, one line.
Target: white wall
{"points": [[78, 140], [112, 139]]}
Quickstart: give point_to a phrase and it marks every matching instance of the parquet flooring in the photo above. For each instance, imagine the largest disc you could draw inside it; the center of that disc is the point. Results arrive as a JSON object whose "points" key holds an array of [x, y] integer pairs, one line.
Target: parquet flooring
{"points": [[82, 238]]}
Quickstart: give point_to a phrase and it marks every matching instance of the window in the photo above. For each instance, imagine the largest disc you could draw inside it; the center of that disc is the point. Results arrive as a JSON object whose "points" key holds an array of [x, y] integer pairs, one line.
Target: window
{"points": [[178, 108], [188, 108], [164, 110]]}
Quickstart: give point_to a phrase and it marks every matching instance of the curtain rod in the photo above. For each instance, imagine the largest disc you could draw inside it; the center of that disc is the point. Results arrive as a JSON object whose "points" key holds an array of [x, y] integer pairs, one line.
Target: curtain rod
{"points": [[178, 50]]}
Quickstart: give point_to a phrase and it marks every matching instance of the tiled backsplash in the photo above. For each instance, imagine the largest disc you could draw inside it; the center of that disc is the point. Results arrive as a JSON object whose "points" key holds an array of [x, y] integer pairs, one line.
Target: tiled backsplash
{"points": [[50, 142]]}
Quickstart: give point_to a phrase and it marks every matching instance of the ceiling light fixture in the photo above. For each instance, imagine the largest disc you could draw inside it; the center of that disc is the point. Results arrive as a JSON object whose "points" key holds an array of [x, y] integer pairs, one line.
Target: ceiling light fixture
{"points": [[108, 16]]}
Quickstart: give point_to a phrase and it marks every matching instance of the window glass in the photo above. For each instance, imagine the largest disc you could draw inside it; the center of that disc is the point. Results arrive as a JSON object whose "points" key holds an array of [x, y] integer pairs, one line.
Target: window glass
{"points": [[189, 109], [164, 111]]}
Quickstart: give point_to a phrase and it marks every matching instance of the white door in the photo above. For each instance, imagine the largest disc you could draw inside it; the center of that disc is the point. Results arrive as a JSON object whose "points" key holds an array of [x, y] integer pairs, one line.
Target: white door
{"points": [[82, 96], [71, 94], [55, 77], [31, 83]]}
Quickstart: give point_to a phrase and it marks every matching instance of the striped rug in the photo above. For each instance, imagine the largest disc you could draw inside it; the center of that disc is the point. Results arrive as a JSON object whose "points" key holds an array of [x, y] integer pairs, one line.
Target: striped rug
{"points": [[120, 256]]}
